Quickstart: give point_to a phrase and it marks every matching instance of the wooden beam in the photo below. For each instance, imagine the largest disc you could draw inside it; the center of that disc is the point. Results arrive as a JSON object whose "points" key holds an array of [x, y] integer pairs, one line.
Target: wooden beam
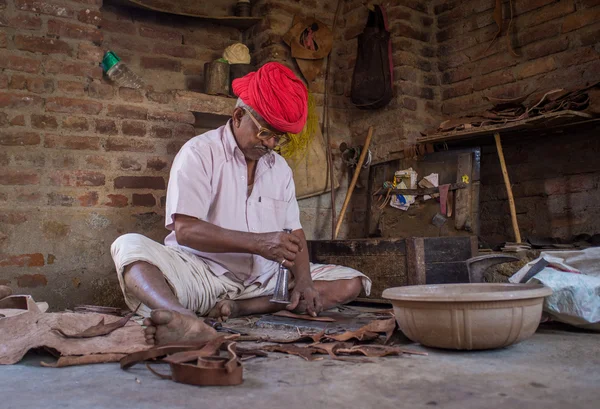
{"points": [[511, 199], [415, 261]]}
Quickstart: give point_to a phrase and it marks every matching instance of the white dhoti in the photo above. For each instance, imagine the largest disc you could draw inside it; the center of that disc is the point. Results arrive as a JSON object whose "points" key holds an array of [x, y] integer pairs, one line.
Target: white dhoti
{"points": [[190, 278]]}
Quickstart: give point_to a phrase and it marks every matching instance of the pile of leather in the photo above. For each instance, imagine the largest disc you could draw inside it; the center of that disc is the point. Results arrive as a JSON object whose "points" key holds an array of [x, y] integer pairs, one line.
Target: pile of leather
{"points": [[506, 110]]}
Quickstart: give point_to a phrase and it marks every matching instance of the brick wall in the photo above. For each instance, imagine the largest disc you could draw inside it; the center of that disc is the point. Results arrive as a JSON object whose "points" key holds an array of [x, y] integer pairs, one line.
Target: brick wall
{"points": [[81, 160], [556, 43]]}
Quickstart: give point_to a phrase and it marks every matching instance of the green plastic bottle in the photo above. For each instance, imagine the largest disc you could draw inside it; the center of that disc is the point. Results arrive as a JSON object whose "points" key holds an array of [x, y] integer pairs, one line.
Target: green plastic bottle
{"points": [[119, 72]]}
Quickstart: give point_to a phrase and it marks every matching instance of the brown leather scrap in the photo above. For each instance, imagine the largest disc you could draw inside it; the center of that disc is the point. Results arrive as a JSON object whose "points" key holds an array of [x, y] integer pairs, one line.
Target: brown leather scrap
{"points": [[368, 332], [64, 361], [99, 329], [195, 364], [305, 352]]}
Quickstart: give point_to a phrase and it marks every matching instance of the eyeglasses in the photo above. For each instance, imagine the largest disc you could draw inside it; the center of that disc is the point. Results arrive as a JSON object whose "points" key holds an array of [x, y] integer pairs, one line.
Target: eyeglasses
{"points": [[265, 134]]}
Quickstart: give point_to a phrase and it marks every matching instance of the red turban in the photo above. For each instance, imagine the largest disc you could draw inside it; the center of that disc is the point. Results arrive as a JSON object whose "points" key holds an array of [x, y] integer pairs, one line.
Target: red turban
{"points": [[277, 95]]}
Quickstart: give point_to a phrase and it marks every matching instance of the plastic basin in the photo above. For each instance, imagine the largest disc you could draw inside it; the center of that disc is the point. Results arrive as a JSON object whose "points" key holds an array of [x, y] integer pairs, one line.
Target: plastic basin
{"points": [[468, 316]]}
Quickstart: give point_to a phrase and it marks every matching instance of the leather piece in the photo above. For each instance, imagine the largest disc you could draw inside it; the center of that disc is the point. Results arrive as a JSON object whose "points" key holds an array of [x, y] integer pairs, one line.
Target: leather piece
{"points": [[99, 329], [368, 332], [65, 361], [195, 364], [289, 314]]}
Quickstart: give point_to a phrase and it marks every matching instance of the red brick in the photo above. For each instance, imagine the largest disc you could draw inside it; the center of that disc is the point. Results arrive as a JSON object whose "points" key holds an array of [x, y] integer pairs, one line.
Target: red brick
{"points": [[29, 197], [589, 36], [129, 145], [536, 67], [543, 48], [75, 123], [145, 200], [170, 116], [139, 182], [18, 120], [569, 184], [97, 162], [101, 91], [462, 88], [409, 104], [184, 131], [3, 81], [492, 80], [88, 16], [523, 6], [117, 201], [404, 30], [130, 43], [26, 260], [580, 19], [3, 119], [21, 22], [19, 138], [192, 69], [64, 161], [161, 132], [77, 178], [180, 51], [127, 111], [72, 87], [19, 63], [18, 81], [73, 106], [133, 128], [3, 39], [70, 30], [156, 164], [456, 75], [162, 34], [53, 7], [18, 177], [13, 218], [131, 95], [19, 101], [536, 33], [59, 199], [165, 64], [40, 85], [547, 13], [576, 57], [495, 63], [43, 121], [42, 45], [76, 69], [90, 52], [123, 27], [89, 199], [106, 127], [160, 97], [72, 142], [174, 147]]}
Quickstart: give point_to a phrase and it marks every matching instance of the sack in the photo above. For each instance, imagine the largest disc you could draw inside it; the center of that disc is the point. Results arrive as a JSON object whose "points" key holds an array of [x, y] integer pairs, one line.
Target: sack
{"points": [[372, 82]]}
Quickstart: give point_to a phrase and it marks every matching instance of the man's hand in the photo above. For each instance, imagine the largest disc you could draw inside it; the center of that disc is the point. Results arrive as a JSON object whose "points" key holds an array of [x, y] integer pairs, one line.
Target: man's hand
{"points": [[278, 246], [306, 296]]}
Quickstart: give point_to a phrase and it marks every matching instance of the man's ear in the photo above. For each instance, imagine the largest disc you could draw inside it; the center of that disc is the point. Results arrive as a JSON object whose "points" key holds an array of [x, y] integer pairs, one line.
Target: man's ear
{"points": [[237, 116]]}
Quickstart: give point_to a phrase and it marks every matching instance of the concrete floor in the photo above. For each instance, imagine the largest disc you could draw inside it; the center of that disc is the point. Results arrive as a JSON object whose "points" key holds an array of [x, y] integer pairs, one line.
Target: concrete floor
{"points": [[554, 369]]}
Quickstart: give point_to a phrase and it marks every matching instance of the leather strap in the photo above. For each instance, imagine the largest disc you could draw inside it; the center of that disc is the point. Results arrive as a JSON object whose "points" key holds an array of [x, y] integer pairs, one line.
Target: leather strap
{"points": [[207, 370]]}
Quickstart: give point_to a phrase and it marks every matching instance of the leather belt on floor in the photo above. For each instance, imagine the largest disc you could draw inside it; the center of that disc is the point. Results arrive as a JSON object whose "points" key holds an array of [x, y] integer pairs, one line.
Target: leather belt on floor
{"points": [[194, 364]]}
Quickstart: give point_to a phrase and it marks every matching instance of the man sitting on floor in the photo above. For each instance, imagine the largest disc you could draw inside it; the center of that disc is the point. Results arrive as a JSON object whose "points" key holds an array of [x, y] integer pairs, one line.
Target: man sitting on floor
{"points": [[228, 201]]}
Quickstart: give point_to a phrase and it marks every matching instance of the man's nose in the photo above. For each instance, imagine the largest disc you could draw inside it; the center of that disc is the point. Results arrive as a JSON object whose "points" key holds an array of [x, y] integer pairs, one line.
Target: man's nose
{"points": [[270, 143]]}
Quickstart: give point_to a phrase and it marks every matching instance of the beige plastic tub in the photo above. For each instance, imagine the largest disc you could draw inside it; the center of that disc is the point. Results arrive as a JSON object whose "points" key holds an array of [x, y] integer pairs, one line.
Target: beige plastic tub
{"points": [[468, 316]]}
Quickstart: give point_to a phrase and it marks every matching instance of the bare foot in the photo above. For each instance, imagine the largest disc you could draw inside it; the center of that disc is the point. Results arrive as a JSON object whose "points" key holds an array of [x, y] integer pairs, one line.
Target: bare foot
{"points": [[5, 291], [166, 327], [224, 310]]}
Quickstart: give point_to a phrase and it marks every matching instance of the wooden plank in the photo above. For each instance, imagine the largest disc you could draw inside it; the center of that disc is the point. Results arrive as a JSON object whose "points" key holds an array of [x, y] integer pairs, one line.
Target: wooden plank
{"points": [[447, 273], [552, 119], [446, 249], [509, 192], [475, 207], [356, 247], [415, 261], [474, 246], [462, 206], [423, 191]]}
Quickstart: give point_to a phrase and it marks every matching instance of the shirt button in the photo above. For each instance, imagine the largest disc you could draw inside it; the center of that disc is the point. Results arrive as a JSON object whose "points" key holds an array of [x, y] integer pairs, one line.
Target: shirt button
{"points": [[243, 177]]}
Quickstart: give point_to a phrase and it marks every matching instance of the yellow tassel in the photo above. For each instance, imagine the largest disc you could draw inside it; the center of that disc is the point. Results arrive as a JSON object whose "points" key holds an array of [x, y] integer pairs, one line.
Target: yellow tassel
{"points": [[299, 142]]}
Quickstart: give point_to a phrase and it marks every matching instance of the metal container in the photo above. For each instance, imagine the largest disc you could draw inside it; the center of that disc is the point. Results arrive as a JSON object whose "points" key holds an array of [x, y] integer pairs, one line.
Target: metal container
{"points": [[216, 78]]}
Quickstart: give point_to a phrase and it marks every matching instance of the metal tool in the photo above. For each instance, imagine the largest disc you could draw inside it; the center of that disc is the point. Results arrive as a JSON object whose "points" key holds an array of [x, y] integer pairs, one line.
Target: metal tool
{"points": [[220, 328], [281, 294]]}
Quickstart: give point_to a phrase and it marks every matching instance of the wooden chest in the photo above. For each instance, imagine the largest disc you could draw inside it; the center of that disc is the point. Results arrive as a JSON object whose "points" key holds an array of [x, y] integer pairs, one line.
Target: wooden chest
{"points": [[399, 262]]}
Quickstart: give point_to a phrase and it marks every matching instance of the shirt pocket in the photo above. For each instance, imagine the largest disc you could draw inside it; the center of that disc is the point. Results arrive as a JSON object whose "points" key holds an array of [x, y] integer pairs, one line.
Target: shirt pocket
{"points": [[272, 214]]}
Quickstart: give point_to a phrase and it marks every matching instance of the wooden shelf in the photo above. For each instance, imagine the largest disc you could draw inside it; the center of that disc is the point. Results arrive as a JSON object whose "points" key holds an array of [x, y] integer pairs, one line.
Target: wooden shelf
{"points": [[241, 23], [200, 103], [541, 122]]}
